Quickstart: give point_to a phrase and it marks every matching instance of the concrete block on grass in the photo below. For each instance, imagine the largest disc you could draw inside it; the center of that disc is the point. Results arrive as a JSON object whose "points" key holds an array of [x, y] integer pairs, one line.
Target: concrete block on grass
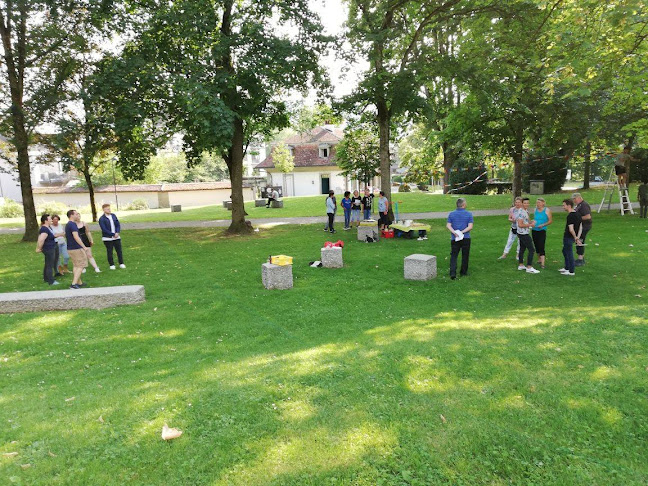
{"points": [[228, 205], [370, 231], [258, 203], [278, 277], [277, 204], [420, 267], [332, 257], [176, 208], [225, 204], [68, 299]]}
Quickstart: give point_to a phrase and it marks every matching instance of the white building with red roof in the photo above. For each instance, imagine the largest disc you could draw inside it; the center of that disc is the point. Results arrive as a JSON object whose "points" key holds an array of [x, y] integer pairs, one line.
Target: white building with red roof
{"points": [[315, 169]]}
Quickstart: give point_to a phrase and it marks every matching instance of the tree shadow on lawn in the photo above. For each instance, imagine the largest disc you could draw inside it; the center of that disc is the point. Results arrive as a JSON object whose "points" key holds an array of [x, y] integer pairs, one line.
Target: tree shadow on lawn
{"points": [[317, 383], [539, 396]]}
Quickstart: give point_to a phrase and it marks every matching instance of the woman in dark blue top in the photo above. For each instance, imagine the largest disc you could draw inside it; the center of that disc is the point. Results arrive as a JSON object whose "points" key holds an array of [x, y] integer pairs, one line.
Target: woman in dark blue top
{"points": [[48, 247]]}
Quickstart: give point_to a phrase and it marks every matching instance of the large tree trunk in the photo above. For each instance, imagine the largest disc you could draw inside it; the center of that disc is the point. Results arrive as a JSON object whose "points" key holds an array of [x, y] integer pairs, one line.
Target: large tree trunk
{"points": [[385, 160], [587, 165], [235, 166], [517, 164], [15, 75], [88, 179]]}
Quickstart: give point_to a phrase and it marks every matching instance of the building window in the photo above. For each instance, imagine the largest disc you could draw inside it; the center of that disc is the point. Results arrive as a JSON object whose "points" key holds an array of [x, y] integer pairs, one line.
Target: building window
{"points": [[323, 152]]}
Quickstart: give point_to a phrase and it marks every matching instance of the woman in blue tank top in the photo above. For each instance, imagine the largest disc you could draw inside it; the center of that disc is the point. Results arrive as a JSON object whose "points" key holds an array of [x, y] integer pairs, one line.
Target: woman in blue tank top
{"points": [[542, 218]]}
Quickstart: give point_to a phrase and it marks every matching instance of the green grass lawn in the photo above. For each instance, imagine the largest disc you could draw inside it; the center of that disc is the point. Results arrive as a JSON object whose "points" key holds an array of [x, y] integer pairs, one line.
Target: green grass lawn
{"points": [[355, 376], [413, 202]]}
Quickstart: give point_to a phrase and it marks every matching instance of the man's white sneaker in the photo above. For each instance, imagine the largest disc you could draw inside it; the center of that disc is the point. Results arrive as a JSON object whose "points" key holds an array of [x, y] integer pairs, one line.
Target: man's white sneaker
{"points": [[561, 270], [420, 239], [521, 267], [532, 270], [97, 270], [569, 274], [122, 266], [112, 267]]}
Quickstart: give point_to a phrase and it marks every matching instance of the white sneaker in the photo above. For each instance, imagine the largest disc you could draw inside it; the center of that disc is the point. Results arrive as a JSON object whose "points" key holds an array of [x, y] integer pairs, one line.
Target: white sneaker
{"points": [[569, 274], [97, 270], [55, 282], [521, 267], [561, 270], [122, 265], [84, 271], [112, 267], [419, 239], [425, 237], [532, 270]]}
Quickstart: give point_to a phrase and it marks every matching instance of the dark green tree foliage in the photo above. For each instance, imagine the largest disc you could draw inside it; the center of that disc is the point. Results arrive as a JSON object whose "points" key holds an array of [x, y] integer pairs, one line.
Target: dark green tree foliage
{"points": [[468, 176], [639, 167], [224, 67], [550, 168]]}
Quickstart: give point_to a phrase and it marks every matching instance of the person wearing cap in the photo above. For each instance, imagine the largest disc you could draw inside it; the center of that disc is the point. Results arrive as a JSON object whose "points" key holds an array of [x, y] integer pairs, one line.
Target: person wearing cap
{"points": [[585, 212], [526, 243], [460, 223]]}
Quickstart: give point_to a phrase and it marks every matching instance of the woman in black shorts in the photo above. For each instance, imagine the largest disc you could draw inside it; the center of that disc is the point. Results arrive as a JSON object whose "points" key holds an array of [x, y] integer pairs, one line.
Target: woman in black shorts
{"points": [[86, 237]]}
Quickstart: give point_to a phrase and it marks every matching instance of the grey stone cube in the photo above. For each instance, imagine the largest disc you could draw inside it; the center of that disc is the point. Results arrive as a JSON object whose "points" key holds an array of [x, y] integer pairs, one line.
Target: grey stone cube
{"points": [[420, 267], [176, 208], [278, 277], [370, 231], [277, 204], [228, 205], [332, 257], [225, 204], [260, 203]]}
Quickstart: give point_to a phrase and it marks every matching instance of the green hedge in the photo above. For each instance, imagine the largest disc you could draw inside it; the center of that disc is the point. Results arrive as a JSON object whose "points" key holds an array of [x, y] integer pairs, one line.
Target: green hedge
{"points": [[552, 169]]}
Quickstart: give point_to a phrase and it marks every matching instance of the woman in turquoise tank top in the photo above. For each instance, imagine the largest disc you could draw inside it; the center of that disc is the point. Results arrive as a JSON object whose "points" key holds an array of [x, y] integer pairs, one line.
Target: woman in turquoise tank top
{"points": [[542, 217]]}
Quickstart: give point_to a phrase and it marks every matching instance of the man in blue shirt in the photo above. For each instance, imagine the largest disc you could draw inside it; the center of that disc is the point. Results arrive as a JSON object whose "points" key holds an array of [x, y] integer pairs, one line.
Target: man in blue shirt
{"points": [[460, 222]]}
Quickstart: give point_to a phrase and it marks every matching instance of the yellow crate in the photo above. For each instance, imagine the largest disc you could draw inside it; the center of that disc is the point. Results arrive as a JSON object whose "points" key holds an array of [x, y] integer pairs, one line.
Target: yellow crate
{"points": [[281, 260]]}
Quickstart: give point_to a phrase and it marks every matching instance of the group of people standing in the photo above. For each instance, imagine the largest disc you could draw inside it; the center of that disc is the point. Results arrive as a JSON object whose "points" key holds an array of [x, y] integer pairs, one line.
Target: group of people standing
{"points": [[353, 207], [531, 232], [60, 244]]}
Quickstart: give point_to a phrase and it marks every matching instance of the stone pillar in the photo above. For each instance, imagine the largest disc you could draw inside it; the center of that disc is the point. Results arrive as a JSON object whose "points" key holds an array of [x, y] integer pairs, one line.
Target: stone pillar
{"points": [[420, 267], [277, 276], [332, 257], [370, 231]]}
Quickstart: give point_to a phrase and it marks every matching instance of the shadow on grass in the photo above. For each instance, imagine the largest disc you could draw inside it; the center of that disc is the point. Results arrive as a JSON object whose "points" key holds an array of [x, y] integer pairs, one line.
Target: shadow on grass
{"points": [[354, 377]]}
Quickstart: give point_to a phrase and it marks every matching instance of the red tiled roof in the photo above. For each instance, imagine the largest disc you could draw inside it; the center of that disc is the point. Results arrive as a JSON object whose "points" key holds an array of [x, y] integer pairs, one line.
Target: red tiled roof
{"points": [[316, 135], [304, 156]]}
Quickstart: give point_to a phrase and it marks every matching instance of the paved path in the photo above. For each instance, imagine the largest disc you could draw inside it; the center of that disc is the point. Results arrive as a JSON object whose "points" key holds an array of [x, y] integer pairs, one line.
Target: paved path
{"points": [[220, 223]]}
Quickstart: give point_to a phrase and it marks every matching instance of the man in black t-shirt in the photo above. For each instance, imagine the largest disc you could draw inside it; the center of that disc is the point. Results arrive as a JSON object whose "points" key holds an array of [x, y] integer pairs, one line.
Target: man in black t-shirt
{"points": [[572, 234], [585, 212]]}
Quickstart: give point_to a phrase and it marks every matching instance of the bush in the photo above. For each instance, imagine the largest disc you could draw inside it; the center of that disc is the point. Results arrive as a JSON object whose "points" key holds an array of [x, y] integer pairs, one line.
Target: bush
{"points": [[397, 178], [11, 209], [422, 187], [639, 168], [404, 188], [136, 205], [464, 175], [52, 207], [552, 169]]}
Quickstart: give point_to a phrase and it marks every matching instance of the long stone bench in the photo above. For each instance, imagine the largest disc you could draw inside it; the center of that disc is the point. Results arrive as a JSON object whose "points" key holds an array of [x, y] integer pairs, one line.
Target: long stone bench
{"points": [[67, 299]]}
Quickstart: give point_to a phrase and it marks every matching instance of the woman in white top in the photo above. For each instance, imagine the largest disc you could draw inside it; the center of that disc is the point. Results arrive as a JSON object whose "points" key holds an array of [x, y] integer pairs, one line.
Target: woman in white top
{"points": [[59, 236]]}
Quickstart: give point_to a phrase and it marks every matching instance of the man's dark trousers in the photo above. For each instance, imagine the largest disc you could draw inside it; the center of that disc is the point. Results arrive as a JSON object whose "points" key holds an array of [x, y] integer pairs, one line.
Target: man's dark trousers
{"points": [[116, 244], [455, 248]]}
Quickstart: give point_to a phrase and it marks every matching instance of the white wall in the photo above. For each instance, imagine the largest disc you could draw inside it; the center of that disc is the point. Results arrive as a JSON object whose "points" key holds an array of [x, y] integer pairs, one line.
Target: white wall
{"points": [[206, 197], [308, 183], [185, 198]]}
